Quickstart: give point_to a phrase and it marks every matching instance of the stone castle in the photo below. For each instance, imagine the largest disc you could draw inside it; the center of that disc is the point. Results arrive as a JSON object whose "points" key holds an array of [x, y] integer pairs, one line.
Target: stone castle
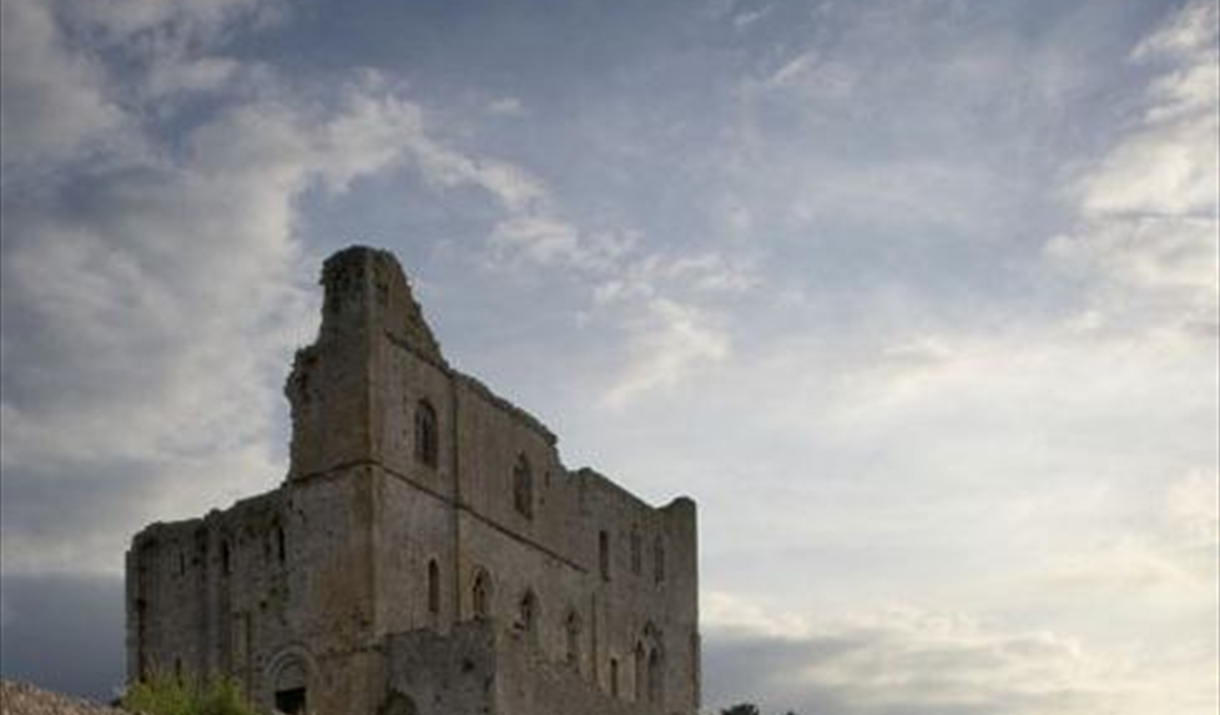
{"points": [[428, 552]]}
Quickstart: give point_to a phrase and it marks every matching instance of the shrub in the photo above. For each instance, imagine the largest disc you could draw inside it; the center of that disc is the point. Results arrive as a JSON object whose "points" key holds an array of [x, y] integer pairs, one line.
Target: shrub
{"points": [[170, 695]]}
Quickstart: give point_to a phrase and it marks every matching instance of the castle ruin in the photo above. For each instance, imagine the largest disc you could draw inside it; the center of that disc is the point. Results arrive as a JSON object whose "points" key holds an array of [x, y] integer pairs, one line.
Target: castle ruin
{"points": [[427, 554]]}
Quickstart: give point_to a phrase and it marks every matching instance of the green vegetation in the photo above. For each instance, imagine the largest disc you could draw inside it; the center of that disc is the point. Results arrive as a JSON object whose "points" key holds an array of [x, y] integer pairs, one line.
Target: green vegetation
{"points": [[170, 695]]}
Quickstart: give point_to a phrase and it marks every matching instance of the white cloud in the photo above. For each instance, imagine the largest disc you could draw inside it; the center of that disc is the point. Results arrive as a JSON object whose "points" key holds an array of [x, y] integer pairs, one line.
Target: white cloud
{"points": [[506, 106], [1188, 31], [167, 313], [1148, 234], [1193, 505], [813, 75], [55, 102], [151, 302], [514, 188], [906, 660], [665, 345], [207, 74]]}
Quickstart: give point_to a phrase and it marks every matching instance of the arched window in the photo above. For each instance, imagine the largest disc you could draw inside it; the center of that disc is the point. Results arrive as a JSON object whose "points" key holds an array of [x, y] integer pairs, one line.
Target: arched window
{"points": [[656, 676], [658, 560], [427, 437], [280, 548], [614, 677], [523, 487], [527, 618], [603, 554], [434, 587], [480, 593], [226, 567], [636, 556], [571, 628]]}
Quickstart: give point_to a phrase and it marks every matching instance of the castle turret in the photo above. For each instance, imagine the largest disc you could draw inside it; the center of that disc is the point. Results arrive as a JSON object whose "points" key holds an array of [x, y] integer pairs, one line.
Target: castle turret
{"points": [[367, 297]]}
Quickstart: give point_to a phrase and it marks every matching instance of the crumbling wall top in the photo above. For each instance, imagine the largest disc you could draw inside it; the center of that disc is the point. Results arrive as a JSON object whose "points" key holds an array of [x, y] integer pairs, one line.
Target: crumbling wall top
{"points": [[365, 288]]}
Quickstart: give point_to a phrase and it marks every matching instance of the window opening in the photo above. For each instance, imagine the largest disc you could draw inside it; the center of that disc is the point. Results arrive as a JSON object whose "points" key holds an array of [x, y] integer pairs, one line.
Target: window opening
{"points": [[603, 554], [481, 595], [528, 616], [427, 437], [572, 631], [641, 671], [655, 676], [434, 587], [523, 488]]}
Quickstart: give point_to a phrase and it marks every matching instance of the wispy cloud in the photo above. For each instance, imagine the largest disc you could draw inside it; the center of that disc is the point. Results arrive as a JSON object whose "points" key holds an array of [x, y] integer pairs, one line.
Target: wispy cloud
{"points": [[665, 345], [904, 660], [1148, 211]]}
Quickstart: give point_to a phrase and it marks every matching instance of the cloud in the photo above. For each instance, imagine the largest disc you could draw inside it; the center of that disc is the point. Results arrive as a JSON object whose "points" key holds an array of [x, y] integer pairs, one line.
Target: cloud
{"points": [[151, 299], [55, 101], [178, 23], [1193, 504], [506, 106], [1149, 216], [665, 345], [910, 661]]}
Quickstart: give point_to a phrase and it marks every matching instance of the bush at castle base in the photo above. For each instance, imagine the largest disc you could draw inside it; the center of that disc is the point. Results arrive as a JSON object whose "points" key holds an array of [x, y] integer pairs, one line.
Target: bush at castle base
{"points": [[168, 695]]}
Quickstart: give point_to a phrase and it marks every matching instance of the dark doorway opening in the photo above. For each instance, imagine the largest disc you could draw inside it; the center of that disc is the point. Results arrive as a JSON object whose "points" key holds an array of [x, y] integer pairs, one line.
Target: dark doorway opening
{"points": [[291, 701]]}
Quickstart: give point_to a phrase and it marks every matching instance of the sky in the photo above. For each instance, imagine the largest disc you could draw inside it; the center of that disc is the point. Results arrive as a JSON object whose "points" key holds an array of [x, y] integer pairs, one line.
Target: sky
{"points": [[918, 300]]}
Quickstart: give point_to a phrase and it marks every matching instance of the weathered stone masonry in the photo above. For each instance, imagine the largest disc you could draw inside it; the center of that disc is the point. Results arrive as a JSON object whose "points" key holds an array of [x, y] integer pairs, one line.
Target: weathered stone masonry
{"points": [[427, 553]]}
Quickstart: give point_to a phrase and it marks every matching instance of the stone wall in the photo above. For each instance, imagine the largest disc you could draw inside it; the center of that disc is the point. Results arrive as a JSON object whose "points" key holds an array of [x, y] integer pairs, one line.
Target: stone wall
{"points": [[409, 483]]}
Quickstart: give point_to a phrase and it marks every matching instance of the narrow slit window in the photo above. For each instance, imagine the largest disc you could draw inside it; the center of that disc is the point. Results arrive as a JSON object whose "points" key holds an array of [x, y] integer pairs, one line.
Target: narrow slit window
{"points": [[434, 587], [528, 612], [571, 628], [655, 677], [603, 554]]}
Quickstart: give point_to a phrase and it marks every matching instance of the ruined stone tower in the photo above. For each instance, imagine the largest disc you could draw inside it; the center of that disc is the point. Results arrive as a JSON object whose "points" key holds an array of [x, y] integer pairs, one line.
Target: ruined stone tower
{"points": [[428, 553]]}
